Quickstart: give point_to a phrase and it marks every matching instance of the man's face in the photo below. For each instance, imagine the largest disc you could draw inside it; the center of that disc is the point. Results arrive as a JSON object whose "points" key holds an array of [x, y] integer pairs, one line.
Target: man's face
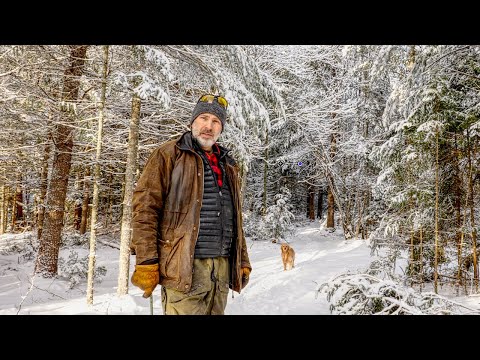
{"points": [[206, 128]]}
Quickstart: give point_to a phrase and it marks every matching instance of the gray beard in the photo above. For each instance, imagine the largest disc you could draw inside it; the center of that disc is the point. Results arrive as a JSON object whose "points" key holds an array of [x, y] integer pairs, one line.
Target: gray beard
{"points": [[204, 143]]}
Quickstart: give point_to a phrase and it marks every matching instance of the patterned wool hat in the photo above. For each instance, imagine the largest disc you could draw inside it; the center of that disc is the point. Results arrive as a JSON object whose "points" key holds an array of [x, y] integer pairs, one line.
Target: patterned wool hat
{"points": [[213, 107]]}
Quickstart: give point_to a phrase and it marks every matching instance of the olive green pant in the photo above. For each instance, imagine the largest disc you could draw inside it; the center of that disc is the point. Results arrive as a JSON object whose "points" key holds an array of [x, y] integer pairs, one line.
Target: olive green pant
{"points": [[208, 293]]}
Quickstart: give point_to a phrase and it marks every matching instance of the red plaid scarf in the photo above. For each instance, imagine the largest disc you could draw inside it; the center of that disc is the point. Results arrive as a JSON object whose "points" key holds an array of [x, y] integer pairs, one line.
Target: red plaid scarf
{"points": [[213, 160]]}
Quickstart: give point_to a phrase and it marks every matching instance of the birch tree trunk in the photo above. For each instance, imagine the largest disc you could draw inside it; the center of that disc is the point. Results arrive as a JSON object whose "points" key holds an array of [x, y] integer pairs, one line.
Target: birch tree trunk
{"points": [[97, 177], [85, 200], [47, 260], [124, 263]]}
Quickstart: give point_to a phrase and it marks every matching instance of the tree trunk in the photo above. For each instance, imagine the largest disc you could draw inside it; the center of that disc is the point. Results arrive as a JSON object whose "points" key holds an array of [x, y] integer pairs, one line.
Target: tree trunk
{"points": [[13, 201], [85, 200], [435, 274], [330, 209], [47, 260], [127, 200], [330, 198], [97, 178], [77, 214], [43, 190], [311, 203], [2, 209], [5, 208], [243, 177], [421, 258], [108, 205], [472, 213], [411, 266], [457, 184], [320, 204], [19, 200], [265, 175], [459, 252]]}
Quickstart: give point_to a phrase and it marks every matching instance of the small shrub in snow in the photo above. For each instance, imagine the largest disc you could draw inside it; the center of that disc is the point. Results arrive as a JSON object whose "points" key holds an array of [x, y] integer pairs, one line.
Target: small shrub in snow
{"points": [[367, 293], [75, 239], [30, 251], [75, 269], [278, 218], [26, 245]]}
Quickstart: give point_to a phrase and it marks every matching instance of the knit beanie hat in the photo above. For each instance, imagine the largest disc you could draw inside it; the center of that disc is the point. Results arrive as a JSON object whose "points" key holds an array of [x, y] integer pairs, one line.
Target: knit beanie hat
{"points": [[213, 108]]}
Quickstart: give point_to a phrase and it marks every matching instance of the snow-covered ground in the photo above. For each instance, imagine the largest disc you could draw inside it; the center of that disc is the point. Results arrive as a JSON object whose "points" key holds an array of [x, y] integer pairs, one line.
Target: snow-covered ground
{"points": [[319, 256]]}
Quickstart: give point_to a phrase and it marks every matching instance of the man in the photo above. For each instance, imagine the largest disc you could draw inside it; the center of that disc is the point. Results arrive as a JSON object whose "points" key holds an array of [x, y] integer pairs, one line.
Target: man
{"points": [[187, 219]]}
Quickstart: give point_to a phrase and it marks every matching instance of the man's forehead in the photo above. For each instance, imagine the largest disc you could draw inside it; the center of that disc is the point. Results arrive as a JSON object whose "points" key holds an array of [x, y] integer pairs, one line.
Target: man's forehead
{"points": [[208, 115]]}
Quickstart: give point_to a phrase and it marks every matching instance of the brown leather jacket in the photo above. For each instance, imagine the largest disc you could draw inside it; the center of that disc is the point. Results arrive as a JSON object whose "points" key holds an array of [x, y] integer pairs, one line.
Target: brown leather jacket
{"points": [[166, 213]]}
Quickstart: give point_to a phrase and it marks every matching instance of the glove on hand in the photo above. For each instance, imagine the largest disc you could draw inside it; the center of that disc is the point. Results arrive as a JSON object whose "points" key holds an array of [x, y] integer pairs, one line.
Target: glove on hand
{"points": [[146, 277], [245, 272]]}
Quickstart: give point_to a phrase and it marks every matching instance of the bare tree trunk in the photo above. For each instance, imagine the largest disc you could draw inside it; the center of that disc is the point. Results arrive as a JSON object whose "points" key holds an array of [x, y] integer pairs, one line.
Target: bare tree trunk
{"points": [[97, 178], [311, 203], [412, 255], [435, 274], [47, 260], [108, 206], [361, 208], [367, 207], [13, 219], [459, 252], [265, 175], [320, 204], [126, 232], [421, 258], [457, 184], [330, 198], [19, 200], [85, 200], [243, 176], [2, 210], [472, 214], [5, 209], [77, 214], [330, 209], [43, 190]]}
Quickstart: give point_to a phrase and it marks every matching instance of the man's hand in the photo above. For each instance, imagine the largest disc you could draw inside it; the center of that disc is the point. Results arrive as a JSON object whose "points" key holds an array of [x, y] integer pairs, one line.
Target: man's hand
{"points": [[146, 277], [245, 272]]}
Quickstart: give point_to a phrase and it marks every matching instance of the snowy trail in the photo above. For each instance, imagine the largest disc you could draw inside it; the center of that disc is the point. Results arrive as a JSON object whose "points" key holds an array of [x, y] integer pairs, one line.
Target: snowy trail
{"points": [[319, 256]]}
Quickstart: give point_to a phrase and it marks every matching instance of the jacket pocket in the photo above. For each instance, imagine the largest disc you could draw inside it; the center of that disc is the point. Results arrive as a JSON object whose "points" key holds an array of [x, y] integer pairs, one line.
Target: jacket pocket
{"points": [[170, 253]]}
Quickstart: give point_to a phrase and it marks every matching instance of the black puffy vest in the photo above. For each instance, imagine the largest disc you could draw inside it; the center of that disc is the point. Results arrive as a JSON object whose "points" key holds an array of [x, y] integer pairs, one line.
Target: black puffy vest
{"points": [[216, 215]]}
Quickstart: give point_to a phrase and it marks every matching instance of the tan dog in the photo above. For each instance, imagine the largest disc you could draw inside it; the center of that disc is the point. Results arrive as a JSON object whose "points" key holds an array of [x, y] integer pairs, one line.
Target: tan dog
{"points": [[288, 257]]}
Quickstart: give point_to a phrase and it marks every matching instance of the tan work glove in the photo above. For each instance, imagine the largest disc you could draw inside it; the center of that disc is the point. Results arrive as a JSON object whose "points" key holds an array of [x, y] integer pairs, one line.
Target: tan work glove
{"points": [[146, 277], [245, 272]]}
